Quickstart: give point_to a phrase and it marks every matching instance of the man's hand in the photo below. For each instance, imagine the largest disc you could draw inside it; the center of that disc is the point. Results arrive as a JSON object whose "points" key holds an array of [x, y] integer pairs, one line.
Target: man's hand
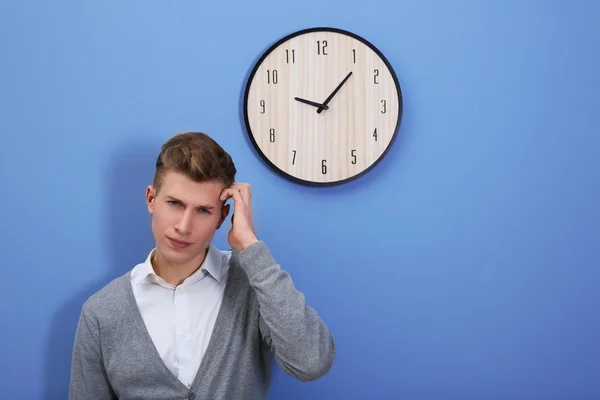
{"points": [[242, 233]]}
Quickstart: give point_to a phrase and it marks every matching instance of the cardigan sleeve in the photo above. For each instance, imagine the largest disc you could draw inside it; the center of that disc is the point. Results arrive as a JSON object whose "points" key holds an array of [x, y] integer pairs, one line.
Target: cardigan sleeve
{"points": [[302, 343]]}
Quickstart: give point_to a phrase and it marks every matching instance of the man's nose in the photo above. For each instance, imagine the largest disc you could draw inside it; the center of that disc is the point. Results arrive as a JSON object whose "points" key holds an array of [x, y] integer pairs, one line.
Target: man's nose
{"points": [[185, 223]]}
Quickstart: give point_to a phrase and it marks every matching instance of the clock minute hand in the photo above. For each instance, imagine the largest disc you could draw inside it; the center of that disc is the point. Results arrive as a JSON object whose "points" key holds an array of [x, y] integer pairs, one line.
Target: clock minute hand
{"points": [[320, 109], [312, 103]]}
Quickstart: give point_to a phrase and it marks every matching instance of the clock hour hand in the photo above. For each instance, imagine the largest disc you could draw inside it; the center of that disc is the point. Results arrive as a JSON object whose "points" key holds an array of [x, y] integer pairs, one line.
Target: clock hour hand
{"points": [[333, 94], [312, 103]]}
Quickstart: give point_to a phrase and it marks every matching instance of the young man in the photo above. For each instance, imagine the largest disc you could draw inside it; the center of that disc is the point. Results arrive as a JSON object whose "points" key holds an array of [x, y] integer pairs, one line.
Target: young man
{"points": [[192, 321]]}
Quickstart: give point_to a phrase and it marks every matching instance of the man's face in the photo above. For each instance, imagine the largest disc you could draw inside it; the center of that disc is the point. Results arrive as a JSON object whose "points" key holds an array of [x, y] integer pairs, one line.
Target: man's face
{"points": [[185, 216]]}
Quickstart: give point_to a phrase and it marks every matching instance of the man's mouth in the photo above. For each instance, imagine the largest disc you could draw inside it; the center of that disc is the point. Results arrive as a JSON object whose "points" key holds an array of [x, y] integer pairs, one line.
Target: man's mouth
{"points": [[179, 244]]}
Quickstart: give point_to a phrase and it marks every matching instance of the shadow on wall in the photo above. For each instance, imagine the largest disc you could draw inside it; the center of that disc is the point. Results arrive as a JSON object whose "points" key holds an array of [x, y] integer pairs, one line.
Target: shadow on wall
{"points": [[129, 240]]}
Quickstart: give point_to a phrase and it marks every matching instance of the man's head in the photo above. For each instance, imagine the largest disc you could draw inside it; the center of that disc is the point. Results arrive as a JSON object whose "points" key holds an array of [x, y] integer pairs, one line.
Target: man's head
{"points": [[191, 172]]}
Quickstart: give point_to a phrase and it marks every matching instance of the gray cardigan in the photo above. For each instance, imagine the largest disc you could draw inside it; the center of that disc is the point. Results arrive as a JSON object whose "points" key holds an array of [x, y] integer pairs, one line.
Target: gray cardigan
{"points": [[262, 317]]}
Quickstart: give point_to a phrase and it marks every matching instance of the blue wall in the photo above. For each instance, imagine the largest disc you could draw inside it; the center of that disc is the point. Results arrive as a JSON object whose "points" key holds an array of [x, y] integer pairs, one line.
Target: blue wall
{"points": [[466, 265]]}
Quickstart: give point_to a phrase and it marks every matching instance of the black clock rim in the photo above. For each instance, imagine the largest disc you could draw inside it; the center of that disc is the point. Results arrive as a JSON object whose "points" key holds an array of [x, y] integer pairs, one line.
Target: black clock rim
{"points": [[263, 156]]}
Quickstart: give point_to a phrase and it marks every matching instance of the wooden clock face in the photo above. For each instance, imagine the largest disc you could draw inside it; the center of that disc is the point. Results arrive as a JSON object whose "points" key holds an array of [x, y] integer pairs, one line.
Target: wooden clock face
{"points": [[322, 106]]}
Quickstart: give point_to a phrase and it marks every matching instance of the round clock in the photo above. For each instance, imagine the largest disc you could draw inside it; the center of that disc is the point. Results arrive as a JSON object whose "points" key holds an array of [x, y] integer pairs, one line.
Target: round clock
{"points": [[322, 106]]}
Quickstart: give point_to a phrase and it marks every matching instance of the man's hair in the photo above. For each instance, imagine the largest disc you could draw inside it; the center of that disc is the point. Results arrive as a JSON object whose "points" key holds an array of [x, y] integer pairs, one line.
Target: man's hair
{"points": [[196, 155]]}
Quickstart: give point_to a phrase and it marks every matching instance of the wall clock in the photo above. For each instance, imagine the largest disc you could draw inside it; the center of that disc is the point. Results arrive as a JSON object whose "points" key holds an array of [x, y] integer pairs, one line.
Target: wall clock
{"points": [[322, 106]]}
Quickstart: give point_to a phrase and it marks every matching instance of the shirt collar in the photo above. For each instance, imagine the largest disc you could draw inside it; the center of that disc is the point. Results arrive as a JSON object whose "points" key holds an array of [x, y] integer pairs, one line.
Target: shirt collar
{"points": [[213, 262], [212, 265]]}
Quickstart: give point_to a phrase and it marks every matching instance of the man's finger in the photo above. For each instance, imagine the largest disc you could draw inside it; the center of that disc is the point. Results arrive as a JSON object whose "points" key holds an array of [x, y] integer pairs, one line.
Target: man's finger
{"points": [[245, 189], [228, 193], [238, 202]]}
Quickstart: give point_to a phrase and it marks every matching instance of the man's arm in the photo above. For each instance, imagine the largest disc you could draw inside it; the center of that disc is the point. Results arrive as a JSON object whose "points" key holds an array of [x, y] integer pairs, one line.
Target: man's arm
{"points": [[302, 344], [88, 376], [300, 340]]}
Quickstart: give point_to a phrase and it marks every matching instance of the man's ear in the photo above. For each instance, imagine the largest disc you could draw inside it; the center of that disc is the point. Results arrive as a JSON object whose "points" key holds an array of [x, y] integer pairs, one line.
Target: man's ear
{"points": [[150, 197], [224, 213]]}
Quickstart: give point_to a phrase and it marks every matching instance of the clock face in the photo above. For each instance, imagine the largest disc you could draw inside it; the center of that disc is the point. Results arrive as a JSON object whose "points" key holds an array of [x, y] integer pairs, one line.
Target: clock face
{"points": [[322, 106]]}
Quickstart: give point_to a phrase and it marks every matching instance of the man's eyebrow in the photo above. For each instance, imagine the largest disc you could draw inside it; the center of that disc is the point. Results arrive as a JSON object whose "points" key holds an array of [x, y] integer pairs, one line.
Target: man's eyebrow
{"points": [[200, 206]]}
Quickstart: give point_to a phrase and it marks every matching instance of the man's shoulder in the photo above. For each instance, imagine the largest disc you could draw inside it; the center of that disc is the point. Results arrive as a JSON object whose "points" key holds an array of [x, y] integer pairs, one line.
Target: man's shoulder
{"points": [[230, 264], [110, 297], [232, 260]]}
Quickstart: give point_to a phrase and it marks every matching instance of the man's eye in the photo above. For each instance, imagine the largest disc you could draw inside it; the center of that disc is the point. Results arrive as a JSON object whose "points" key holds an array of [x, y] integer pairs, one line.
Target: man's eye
{"points": [[174, 202], [204, 211]]}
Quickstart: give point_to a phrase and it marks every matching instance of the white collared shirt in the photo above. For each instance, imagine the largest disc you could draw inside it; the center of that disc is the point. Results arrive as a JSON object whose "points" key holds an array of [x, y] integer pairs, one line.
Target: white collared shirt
{"points": [[180, 319]]}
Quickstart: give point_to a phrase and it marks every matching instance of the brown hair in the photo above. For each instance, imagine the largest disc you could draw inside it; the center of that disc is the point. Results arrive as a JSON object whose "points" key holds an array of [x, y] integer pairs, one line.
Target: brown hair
{"points": [[196, 155]]}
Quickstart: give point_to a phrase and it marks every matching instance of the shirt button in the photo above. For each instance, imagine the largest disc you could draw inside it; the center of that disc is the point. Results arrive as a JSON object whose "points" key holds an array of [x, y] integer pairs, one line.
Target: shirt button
{"points": [[191, 395], [182, 334], [179, 290]]}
